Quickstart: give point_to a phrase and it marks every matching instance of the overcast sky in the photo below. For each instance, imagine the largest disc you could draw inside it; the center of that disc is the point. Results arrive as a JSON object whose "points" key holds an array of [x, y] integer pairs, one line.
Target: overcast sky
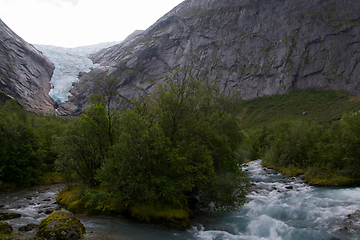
{"points": [[72, 23]]}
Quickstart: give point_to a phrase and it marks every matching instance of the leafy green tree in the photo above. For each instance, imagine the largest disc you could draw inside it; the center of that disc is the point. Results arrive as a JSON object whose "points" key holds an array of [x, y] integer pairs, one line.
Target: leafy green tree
{"points": [[49, 128], [85, 145], [351, 143], [19, 146], [113, 102], [181, 142]]}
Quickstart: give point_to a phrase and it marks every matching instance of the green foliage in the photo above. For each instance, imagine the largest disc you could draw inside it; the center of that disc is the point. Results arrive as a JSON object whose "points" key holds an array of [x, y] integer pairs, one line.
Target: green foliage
{"points": [[179, 142], [314, 105], [351, 145], [85, 145], [18, 146], [175, 218], [300, 133], [27, 146], [327, 154]]}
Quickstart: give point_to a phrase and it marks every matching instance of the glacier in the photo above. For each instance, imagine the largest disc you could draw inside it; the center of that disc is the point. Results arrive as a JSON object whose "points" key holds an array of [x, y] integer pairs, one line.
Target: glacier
{"points": [[69, 62]]}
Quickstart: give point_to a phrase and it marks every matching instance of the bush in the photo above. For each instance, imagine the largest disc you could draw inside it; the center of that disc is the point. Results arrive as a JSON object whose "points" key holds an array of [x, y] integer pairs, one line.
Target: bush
{"points": [[181, 141]]}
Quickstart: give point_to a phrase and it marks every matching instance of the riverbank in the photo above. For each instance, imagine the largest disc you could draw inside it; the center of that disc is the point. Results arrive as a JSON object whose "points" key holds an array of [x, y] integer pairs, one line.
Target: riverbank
{"points": [[24, 209], [96, 202], [277, 208], [48, 178], [315, 176]]}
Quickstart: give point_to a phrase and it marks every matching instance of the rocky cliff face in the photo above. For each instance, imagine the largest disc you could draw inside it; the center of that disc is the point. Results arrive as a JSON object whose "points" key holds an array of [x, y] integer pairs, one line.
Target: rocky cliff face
{"points": [[24, 72], [257, 47]]}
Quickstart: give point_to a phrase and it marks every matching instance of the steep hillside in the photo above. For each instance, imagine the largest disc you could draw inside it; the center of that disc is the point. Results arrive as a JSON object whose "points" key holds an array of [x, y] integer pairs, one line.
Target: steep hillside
{"points": [[24, 72], [257, 47]]}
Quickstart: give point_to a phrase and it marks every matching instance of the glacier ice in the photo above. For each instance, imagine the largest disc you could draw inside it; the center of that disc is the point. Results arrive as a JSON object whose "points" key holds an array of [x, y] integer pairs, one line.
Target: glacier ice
{"points": [[69, 62]]}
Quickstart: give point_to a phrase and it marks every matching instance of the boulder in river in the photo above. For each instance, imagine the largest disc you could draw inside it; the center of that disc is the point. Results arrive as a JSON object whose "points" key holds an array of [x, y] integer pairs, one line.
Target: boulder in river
{"points": [[61, 225], [5, 228], [7, 216]]}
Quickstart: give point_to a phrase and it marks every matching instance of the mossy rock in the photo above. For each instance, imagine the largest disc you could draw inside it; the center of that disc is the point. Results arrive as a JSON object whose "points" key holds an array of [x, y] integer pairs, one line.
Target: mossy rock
{"points": [[7, 216], [5, 228], [61, 225]]}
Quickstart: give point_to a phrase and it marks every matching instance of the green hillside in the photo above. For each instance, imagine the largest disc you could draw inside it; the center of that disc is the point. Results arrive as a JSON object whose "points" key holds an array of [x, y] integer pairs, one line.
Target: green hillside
{"points": [[311, 104], [310, 132]]}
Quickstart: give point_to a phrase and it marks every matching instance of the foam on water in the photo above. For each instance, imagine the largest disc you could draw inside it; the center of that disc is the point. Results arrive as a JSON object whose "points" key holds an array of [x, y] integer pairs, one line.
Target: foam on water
{"points": [[278, 208], [287, 208]]}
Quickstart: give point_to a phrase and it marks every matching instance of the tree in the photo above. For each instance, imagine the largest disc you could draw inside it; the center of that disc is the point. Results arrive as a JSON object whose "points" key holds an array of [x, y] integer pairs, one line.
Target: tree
{"points": [[351, 144], [19, 146], [180, 142], [88, 140], [85, 145]]}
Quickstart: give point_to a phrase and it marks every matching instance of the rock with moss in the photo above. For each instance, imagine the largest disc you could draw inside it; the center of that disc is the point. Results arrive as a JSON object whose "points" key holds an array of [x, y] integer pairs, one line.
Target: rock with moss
{"points": [[61, 225], [7, 216], [5, 228]]}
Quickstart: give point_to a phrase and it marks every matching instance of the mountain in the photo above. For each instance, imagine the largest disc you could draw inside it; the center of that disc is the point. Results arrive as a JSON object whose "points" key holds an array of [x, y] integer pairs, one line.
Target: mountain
{"points": [[24, 73], [69, 63], [256, 47]]}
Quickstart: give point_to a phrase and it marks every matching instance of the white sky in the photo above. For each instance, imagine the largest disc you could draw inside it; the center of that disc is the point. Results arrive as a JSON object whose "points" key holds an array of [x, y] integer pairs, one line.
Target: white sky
{"points": [[73, 23]]}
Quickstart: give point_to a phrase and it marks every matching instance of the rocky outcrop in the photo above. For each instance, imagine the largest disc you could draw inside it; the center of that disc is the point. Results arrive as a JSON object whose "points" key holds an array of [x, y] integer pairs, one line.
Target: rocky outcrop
{"points": [[5, 228], [24, 72], [257, 47], [7, 215], [61, 225]]}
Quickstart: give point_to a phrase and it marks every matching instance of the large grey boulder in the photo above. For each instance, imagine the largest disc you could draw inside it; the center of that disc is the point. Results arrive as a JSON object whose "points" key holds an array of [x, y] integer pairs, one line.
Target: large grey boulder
{"points": [[25, 73], [256, 47], [61, 225]]}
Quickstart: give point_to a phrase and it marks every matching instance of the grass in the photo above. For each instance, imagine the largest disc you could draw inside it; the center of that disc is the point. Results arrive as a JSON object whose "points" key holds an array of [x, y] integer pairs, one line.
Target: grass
{"points": [[316, 105], [167, 215], [320, 177], [96, 202], [68, 196], [290, 171]]}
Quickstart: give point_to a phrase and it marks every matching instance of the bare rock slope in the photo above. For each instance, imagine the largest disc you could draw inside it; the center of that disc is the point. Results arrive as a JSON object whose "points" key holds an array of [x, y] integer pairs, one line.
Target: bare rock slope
{"points": [[257, 47], [25, 73]]}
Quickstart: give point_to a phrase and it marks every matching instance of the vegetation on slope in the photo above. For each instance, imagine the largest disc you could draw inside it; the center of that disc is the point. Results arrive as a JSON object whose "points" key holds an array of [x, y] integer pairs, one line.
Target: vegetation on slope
{"points": [[179, 148], [27, 146], [312, 105], [175, 149], [309, 132]]}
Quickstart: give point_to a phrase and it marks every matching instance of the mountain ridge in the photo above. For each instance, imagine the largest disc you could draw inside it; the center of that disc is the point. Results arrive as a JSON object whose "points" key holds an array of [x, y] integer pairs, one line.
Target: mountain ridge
{"points": [[259, 48], [24, 73]]}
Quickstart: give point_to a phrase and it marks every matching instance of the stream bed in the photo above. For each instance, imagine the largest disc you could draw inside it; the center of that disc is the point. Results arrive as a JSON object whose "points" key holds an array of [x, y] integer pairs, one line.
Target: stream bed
{"points": [[278, 208]]}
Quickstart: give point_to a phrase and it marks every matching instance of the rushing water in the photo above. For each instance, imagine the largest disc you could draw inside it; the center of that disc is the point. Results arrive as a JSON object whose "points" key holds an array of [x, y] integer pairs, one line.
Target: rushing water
{"points": [[278, 208]]}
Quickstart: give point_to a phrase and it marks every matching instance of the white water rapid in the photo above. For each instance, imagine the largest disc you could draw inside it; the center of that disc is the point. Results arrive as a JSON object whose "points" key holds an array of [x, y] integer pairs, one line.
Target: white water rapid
{"points": [[282, 208], [278, 208]]}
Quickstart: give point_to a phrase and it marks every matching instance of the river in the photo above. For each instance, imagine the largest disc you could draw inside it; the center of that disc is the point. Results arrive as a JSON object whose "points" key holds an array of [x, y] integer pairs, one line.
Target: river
{"points": [[278, 208]]}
